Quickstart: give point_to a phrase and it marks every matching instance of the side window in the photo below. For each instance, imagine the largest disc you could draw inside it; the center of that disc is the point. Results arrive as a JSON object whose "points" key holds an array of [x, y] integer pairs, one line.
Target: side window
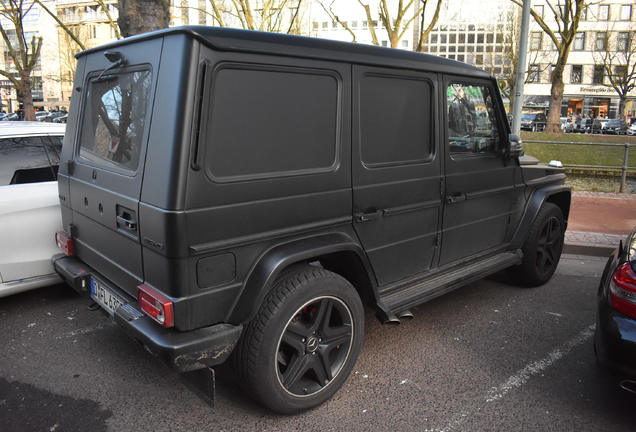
{"points": [[472, 124], [395, 120], [29, 159], [266, 123]]}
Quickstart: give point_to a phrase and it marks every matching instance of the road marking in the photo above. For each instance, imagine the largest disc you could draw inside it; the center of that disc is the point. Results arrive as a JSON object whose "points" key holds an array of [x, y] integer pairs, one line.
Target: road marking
{"points": [[520, 377]]}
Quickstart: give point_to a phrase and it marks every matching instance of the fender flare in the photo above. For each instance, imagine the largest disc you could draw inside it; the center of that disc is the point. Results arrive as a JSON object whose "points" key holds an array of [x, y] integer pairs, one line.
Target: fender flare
{"points": [[263, 274], [538, 197]]}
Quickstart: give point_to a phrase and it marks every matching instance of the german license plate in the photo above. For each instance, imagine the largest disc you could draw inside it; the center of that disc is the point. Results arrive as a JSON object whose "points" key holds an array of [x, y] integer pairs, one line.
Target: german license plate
{"points": [[104, 297]]}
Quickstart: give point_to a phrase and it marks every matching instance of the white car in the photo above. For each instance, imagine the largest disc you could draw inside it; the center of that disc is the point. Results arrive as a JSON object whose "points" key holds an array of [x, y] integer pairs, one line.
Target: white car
{"points": [[632, 129], [29, 204]]}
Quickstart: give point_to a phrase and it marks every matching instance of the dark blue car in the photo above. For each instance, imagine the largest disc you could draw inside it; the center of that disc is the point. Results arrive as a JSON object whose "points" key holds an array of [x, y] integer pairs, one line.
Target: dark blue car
{"points": [[615, 339]]}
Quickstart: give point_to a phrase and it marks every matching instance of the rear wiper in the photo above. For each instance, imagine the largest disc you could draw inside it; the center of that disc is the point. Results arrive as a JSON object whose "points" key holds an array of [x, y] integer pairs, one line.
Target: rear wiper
{"points": [[117, 60]]}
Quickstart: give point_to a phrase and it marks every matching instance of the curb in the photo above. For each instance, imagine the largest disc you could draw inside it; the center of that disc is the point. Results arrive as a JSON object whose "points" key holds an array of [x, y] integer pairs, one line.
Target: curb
{"points": [[590, 249]]}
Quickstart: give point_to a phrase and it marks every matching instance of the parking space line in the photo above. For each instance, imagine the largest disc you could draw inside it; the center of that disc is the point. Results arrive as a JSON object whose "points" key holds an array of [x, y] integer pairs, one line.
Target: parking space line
{"points": [[521, 377]]}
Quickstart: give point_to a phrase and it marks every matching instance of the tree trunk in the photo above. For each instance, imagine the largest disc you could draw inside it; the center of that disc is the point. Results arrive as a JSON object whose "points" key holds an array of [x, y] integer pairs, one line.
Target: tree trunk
{"points": [[25, 97], [556, 98], [140, 16], [621, 106]]}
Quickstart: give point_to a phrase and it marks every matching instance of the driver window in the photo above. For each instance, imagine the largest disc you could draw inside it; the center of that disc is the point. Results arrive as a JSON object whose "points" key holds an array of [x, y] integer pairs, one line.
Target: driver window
{"points": [[472, 125]]}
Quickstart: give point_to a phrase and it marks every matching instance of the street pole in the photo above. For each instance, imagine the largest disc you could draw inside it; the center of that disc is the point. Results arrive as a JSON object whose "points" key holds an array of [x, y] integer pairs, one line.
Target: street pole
{"points": [[521, 67]]}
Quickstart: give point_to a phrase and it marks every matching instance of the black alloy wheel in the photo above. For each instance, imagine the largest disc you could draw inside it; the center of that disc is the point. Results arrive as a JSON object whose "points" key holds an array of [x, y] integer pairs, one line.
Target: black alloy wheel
{"points": [[303, 342], [542, 249], [549, 245], [314, 346]]}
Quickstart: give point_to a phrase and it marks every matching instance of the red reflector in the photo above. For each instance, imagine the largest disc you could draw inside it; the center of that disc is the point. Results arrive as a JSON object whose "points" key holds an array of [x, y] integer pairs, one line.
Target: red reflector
{"points": [[65, 243], [156, 305], [623, 290]]}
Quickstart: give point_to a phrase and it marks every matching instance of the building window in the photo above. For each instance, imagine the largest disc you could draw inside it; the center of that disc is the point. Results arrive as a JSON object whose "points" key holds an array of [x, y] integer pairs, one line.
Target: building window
{"points": [[480, 38], [365, 24], [471, 38], [405, 44], [620, 73], [626, 12], [535, 41], [534, 74], [462, 38], [202, 12], [579, 41], [603, 13], [433, 39], [314, 25], [325, 25], [490, 38], [622, 42], [452, 38], [600, 44], [384, 43], [354, 24], [576, 77], [538, 9], [334, 25], [443, 38], [599, 74]]}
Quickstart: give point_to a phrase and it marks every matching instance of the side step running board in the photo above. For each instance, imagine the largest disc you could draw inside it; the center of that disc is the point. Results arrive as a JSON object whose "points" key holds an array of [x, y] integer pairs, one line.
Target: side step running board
{"points": [[428, 289]]}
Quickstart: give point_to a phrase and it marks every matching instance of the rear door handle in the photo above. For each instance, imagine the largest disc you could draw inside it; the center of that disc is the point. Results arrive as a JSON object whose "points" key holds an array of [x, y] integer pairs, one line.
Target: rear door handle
{"points": [[455, 198], [368, 216]]}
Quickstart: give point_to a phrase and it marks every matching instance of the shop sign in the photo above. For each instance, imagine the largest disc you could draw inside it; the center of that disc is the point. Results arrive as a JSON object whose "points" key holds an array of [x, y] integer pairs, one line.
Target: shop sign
{"points": [[596, 90]]}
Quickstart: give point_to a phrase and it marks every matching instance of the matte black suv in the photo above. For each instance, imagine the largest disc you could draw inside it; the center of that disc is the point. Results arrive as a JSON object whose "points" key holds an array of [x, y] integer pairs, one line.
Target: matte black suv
{"points": [[231, 193]]}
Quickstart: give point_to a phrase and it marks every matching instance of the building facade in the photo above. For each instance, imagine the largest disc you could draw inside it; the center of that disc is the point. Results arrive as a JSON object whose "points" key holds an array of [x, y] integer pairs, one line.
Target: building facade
{"points": [[606, 26]]}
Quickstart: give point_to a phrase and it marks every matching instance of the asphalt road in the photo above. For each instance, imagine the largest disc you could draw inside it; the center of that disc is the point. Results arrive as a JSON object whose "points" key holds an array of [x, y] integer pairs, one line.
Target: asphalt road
{"points": [[487, 357]]}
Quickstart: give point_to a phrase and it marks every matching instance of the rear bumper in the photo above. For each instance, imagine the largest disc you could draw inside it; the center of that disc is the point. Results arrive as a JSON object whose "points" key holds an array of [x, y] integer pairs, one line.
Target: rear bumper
{"points": [[615, 343], [183, 351]]}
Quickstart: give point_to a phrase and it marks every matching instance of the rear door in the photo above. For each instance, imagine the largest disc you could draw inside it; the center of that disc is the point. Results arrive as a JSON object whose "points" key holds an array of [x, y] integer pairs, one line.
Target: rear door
{"points": [[396, 170], [107, 165]]}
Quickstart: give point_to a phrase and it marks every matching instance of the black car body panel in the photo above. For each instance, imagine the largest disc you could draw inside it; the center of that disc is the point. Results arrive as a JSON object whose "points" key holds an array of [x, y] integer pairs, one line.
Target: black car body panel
{"points": [[191, 207], [615, 337]]}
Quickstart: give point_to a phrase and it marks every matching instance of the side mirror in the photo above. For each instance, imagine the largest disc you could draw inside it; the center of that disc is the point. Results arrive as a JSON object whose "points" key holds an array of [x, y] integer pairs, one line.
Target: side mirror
{"points": [[516, 147]]}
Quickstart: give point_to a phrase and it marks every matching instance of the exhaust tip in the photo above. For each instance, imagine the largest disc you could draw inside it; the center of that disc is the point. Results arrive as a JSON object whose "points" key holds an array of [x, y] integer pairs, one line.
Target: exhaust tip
{"points": [[407, 315], [628, 385]]}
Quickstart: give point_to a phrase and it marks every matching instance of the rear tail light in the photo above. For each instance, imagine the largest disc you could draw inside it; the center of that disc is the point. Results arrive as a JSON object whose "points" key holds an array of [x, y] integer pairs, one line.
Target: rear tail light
{"points": [[65, 243], [623, 290], [156, 305]]}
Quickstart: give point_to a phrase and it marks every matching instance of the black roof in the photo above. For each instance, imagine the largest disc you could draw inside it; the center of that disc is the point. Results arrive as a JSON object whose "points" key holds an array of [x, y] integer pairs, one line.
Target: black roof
{"points": [[229, 39]]}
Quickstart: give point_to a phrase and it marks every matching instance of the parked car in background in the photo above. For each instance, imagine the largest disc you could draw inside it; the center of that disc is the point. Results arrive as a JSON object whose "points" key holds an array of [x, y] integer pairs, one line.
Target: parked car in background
{"points": [[40, 115], [61, 119], [29, 204], [583, 126], [614, 127], [566, 125], [535, 122], [632, 129], [53, 115], [597, 126], [11, 117], [615, 338]]}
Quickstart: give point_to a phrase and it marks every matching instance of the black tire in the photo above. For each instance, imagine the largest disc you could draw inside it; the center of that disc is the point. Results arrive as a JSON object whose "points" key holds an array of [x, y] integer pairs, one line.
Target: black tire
{"points": [[542, 249], [312, 323]]}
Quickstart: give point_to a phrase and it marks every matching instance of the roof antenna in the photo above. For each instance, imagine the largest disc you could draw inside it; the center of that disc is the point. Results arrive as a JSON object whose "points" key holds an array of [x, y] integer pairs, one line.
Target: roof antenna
{"points": [[115, 58]]}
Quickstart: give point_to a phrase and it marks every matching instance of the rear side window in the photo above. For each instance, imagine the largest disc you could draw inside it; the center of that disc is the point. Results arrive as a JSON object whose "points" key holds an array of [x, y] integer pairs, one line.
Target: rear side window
{"points": [[395, 120], [114, 119], [29, 159], [271, 122]]}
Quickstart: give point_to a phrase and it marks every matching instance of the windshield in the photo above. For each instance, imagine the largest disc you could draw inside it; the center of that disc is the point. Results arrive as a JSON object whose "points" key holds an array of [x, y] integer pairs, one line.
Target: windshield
{"points": [[114, 119]]}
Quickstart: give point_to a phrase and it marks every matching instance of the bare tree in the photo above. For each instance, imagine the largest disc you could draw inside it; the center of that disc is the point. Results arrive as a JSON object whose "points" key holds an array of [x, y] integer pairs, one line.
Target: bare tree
{"points": [[567, 16], [23, 53], [140, 16], [395, 22], [278, 16], [619, 66]]}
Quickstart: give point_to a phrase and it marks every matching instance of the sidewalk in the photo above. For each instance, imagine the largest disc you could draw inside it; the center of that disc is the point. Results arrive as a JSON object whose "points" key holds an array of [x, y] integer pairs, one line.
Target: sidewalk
{"points": [[598, 222]]}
